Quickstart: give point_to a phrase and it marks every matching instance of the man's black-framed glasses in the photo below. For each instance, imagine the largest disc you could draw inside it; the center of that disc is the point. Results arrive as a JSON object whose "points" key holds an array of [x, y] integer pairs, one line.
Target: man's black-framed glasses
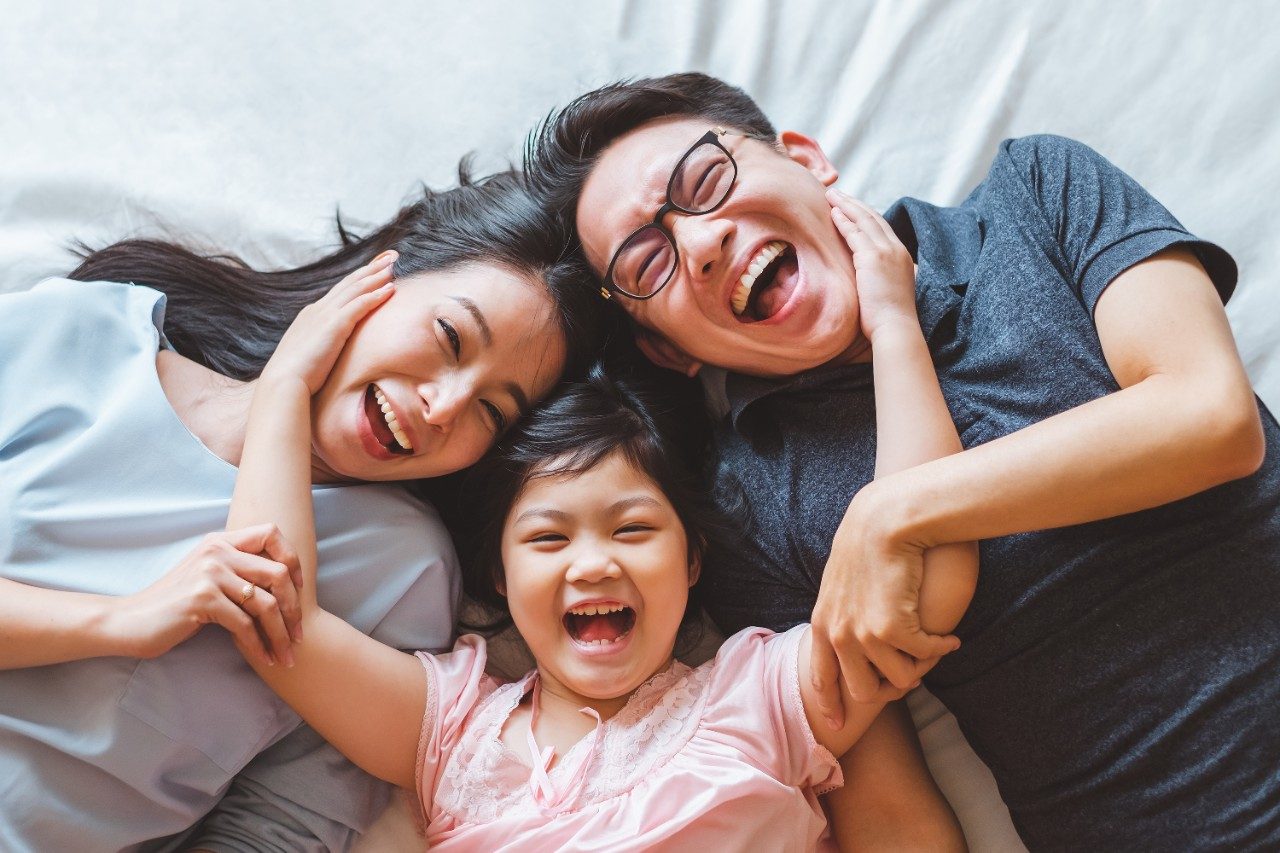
{"points": [[700, 183]]}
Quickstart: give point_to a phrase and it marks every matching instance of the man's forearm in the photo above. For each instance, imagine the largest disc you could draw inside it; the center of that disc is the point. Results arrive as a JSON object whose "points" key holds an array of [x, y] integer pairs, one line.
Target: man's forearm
{"points": [[1147, 445]]}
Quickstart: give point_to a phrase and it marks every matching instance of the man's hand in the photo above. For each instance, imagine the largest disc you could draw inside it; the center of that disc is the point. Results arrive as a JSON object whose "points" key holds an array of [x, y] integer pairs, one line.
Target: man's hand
{"points": [[866, 623]]}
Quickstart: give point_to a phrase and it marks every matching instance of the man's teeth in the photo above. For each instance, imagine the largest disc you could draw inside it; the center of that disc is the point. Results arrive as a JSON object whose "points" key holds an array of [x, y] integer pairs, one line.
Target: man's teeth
{"points": [[596, 609], [742, 293], [390, 417]]}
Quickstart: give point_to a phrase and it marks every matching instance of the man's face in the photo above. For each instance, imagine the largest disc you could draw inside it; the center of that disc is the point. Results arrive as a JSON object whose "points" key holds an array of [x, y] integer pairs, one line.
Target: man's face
{"points": [[803, 305]]}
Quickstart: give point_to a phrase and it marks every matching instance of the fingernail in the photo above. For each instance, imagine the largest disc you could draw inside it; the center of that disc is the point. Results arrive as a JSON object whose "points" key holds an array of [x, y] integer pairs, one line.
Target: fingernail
{"points": [[288, 659], [833, 723], [271, 661]]}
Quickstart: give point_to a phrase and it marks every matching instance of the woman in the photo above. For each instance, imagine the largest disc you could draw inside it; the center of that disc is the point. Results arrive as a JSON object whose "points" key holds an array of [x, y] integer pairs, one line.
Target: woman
{"points": [[123, 418]]}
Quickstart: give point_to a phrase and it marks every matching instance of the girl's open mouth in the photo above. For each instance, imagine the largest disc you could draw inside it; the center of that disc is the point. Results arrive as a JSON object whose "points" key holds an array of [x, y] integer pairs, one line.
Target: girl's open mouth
{"points": [[599, 624]]}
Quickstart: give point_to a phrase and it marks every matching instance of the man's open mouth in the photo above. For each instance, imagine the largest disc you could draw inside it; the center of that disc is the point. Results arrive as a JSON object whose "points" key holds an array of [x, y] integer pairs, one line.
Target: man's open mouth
{"points": [[767, 284], [386, 428], [599, 624]]}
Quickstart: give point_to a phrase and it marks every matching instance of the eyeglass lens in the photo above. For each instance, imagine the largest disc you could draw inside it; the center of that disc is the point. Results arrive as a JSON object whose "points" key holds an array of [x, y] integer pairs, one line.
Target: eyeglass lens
{"points": [[699, 184]]}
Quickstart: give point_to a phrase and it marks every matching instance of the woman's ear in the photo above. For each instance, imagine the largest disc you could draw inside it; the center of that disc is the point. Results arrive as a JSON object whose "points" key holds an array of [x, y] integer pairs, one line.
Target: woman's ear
{"points": [[806, 151], [663, 353]]}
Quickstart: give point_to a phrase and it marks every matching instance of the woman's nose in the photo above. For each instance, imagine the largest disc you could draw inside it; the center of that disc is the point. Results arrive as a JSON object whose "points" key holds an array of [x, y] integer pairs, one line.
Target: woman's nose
{"points": [[443, 402]]}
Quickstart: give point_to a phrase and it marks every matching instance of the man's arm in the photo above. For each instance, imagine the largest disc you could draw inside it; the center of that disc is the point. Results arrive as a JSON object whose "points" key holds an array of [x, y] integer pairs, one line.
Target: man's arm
{"points": [[1185, 420]]}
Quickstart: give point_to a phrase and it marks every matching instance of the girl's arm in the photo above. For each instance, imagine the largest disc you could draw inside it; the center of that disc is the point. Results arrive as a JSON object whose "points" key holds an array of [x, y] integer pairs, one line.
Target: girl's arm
{"points": [[913, 426], [890, 800], [365, 698]]}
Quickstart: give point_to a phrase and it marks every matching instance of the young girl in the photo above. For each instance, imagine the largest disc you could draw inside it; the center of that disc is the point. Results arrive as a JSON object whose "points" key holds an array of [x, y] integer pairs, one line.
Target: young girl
{"points": [[596, 536]]}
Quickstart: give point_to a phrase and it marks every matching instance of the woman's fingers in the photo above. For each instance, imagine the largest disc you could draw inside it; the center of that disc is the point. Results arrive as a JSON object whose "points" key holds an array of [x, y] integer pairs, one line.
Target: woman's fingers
{"points": [[267, 539], [273, 579], [260, 604], [242, 627], [371, 276]]}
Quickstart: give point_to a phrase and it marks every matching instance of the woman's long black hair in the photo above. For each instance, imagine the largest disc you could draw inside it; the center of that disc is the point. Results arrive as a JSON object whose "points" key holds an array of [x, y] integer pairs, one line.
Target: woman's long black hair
{"points": [[230, 317]]}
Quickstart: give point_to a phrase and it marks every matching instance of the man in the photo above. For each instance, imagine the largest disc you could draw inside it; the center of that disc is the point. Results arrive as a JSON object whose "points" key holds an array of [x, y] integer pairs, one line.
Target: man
{"points": [[1120, 662]]}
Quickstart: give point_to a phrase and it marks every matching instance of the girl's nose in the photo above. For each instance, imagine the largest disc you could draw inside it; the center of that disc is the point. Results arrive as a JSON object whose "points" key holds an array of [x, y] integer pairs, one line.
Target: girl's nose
{"points": [[592, 564]]}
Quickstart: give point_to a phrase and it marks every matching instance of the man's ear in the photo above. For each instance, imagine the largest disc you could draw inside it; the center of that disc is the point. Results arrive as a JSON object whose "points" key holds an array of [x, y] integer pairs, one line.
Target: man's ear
{"points": [[663, 353], [806, 151]]}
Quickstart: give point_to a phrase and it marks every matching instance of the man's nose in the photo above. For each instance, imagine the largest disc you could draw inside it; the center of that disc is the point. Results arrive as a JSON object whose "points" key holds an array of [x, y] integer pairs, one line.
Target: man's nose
{"points": [[703, 242]]}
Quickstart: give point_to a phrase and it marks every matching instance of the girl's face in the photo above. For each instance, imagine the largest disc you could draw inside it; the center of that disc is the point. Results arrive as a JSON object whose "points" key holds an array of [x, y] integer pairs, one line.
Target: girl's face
{"points": [[597, 577], [430, 378]]}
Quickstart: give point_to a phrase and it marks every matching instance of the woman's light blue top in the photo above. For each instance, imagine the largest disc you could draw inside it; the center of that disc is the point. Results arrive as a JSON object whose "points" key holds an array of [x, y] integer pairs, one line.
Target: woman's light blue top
{"points": [[103, 490]]}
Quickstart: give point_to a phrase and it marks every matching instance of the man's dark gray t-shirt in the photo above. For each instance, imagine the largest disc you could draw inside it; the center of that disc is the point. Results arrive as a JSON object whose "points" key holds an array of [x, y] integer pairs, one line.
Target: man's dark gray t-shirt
{"points": [[1121, 678]]}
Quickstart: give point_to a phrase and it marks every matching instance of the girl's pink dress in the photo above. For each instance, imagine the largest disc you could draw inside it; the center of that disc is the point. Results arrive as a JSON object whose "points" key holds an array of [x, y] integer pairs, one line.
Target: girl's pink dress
{"points": [[716, 758]]}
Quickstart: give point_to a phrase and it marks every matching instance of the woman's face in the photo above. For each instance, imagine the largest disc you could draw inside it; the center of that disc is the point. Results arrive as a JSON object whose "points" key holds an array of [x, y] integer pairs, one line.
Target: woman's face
{"points": [[429, 380]]}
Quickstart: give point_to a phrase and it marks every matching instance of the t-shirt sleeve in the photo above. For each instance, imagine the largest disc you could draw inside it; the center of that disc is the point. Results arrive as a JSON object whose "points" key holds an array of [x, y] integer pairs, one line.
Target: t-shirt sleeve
{"points": [[754, 701], [1097, 220], [456, 682], [298, 796]]}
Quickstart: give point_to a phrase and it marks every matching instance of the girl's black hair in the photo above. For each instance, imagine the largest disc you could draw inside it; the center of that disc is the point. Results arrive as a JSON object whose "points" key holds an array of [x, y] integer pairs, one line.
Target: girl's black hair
{"points": [[659, 426], [230, 317]]}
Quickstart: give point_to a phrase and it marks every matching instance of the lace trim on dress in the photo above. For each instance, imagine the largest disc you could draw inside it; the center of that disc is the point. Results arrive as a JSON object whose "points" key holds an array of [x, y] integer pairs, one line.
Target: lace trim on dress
{"points": [[484, 780]]}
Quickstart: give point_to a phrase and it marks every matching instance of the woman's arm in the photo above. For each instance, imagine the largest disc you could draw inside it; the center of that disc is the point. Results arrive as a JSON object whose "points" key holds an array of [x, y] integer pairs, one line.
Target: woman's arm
{"points": [[45, 626], [365, 698]]}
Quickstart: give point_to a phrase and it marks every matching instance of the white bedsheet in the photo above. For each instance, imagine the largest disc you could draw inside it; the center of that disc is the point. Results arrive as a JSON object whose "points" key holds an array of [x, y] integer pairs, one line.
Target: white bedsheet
{"points": [[244, 124]]}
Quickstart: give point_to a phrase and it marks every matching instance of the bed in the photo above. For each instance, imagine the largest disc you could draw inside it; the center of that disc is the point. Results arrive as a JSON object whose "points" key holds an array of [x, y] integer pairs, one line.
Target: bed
{"points": [[245, 126]]}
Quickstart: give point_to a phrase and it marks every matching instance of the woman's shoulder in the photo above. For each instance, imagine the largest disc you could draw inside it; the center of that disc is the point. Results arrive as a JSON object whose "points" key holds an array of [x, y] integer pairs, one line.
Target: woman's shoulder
{"points": [[88, 314]]}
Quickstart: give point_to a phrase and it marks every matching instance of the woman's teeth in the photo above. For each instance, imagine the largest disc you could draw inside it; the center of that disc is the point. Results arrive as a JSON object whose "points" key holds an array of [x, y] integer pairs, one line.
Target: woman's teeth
{"points": [[390, 417], [742, 293]]}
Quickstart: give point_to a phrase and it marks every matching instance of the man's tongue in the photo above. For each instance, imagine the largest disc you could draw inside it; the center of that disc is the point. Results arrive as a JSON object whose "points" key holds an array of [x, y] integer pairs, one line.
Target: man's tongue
{"points": [[776, 292]]}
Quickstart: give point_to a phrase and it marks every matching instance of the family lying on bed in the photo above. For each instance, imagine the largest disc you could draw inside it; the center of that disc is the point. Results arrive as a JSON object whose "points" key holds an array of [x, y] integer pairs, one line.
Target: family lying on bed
{"points": [[1045, 370]]}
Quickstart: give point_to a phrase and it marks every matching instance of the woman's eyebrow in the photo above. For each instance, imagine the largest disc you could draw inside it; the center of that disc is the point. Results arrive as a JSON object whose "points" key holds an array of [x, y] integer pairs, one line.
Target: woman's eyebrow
{"points": [[541, 512], [474, 310]]}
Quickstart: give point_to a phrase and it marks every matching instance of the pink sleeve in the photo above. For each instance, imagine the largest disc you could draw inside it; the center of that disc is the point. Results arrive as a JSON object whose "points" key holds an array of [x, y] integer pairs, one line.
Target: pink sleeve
{"points": [[456, 682], [754, 700]]}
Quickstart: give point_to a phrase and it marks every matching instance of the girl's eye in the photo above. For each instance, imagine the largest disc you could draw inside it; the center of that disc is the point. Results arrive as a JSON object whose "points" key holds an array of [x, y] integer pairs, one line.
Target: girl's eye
{"points": [[549, 537], [496, 417], [634, 528], [451, 333]]}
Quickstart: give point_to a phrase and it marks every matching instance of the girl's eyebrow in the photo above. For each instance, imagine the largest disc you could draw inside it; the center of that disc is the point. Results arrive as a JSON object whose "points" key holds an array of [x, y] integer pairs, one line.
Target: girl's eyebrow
{"points": [[474, 310], [562, 516]]}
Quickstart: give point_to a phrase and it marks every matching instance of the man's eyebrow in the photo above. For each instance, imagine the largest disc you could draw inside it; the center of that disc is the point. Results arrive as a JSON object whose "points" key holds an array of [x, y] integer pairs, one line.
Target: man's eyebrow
{"points": [[474, 310]]}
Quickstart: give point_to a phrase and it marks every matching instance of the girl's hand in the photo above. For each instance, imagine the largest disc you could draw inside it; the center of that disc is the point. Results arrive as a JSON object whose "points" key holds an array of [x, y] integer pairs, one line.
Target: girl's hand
{"points": [[313, 341], [886, 273], [245, 580]]}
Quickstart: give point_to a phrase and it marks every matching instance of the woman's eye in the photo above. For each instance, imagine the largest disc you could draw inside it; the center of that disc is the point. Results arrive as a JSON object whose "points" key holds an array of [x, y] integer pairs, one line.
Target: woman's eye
{"points": [[549, 537], [496, 418], [455, 342]]}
